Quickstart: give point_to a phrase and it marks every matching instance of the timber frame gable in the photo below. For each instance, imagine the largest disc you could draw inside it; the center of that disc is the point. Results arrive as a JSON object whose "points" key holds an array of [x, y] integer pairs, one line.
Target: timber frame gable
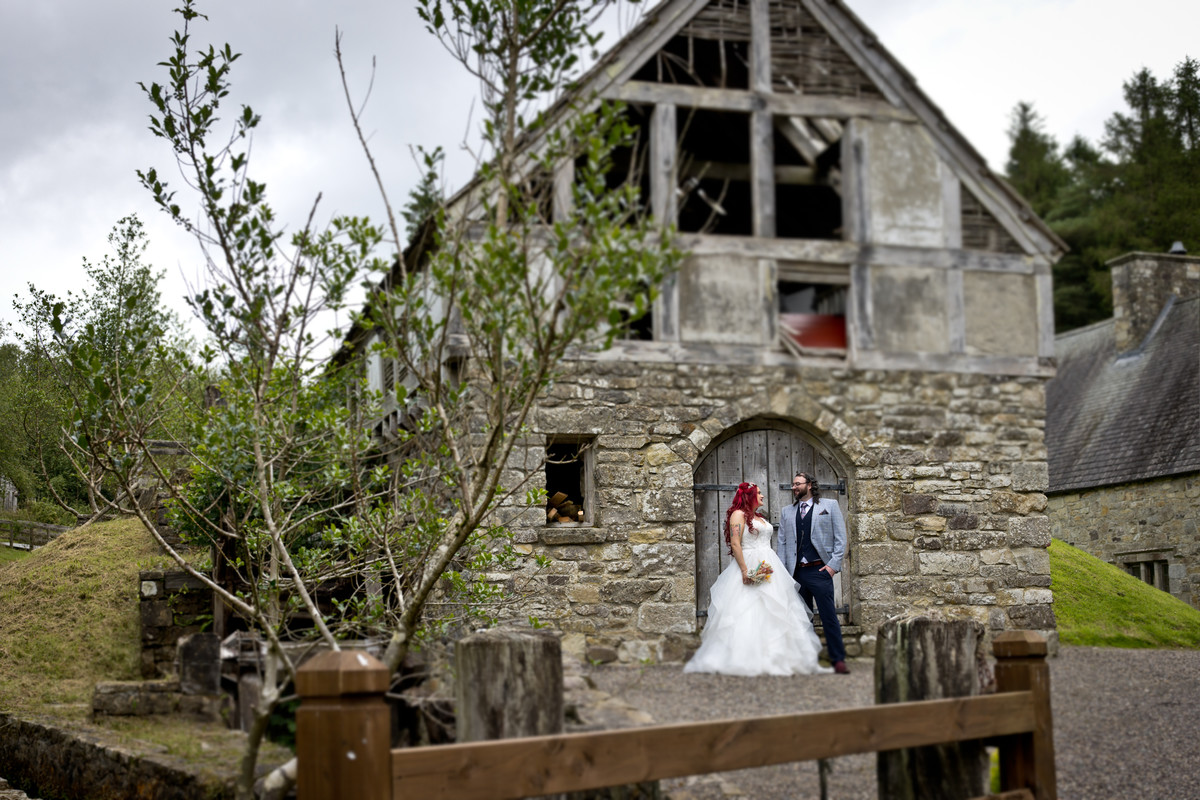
{"points": [[781, 135], [890, 93]]}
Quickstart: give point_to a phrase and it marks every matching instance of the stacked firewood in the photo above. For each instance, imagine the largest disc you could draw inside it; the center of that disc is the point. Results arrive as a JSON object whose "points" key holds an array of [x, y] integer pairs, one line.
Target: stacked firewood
{"points": [[559, 508]]}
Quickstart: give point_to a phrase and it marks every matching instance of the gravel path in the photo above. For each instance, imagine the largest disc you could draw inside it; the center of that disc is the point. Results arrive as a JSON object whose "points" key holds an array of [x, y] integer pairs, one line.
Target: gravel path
{"points": [[1126, 723]]}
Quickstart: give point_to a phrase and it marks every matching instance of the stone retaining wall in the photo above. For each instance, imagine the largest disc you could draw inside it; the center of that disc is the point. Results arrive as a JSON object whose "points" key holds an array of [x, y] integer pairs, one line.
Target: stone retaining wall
{"points": [[173, 605], [50, 761], [1134, 522], [947, 480]]}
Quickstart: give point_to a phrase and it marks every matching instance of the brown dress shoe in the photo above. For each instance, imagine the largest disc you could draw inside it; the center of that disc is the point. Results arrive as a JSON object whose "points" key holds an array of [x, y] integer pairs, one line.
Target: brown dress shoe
{"points": [[840, 668]]}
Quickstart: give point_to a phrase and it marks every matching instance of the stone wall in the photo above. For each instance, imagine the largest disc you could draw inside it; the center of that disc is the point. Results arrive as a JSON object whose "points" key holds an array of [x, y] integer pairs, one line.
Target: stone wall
{"points": [[173, 605], [1148, 520], [947, 481], [88, 761]]}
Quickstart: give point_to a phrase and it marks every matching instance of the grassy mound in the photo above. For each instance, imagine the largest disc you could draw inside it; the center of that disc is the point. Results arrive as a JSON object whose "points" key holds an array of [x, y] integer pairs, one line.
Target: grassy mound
{"points": [[1101, 605], [69, 614], [69, 618]]}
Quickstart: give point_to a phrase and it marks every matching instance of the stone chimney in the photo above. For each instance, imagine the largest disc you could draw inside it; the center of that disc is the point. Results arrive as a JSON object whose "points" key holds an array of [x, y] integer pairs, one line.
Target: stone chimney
{"points": [[1141, 286]]}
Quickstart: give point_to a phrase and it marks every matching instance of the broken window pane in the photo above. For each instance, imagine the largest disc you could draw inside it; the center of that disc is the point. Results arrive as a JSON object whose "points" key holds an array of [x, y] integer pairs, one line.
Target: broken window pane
{"points": [[812, 316]]}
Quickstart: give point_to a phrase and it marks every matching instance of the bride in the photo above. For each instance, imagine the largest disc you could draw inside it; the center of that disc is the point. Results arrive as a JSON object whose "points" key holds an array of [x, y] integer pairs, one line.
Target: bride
{"points": [[757, 623]]}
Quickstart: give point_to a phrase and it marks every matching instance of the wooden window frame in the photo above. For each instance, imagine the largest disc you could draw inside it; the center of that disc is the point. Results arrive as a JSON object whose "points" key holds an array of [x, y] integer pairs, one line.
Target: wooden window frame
{"points": [[586, 452]]}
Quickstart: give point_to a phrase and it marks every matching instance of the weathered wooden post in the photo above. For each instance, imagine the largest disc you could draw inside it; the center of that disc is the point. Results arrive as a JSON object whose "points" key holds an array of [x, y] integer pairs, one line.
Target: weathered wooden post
{"points": [[343, 728], [1027, 760], [923, 658], [510, 684]]}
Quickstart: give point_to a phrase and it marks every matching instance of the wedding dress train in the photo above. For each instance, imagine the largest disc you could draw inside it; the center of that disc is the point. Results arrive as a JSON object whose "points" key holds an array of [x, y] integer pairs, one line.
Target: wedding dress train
{"points": [[763, 629]]}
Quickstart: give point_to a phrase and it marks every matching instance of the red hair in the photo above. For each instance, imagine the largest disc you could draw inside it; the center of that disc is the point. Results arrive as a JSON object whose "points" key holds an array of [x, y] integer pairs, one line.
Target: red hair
{"points": [[743, 501]]}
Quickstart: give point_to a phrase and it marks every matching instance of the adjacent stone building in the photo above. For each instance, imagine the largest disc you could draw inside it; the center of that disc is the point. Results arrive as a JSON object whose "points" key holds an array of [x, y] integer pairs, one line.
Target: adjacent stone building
{"points": [[1123, 427], [871, 305]]}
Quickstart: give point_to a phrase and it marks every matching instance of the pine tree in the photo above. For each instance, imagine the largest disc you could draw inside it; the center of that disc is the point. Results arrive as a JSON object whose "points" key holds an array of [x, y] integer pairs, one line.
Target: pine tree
{"points": [[1034, 168]]}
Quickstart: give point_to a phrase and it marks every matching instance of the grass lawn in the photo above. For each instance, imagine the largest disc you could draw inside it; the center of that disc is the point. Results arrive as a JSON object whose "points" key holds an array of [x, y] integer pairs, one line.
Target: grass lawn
{"points": [[8, 554], [1102, 605]]}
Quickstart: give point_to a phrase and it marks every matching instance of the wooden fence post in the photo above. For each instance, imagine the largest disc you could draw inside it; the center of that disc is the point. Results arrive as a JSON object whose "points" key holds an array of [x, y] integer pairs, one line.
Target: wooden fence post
{"points": [[343, 728], [509, 684], [1027, 760], [928, 658]]}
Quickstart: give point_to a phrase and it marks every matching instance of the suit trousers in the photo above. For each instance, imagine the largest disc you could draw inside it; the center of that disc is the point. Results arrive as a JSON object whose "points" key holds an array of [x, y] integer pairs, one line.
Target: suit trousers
{"points": [[817, 584]]}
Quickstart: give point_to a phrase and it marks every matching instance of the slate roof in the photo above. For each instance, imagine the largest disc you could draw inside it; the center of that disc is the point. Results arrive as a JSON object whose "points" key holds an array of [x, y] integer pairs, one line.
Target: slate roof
{"points": [[1113, 419]]}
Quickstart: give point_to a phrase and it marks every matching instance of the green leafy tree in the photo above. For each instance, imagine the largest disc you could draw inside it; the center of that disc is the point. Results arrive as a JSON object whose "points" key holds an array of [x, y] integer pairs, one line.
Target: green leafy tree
{"points": [[477, 316], [1138, 190], [115, 325], [1034, 168]]}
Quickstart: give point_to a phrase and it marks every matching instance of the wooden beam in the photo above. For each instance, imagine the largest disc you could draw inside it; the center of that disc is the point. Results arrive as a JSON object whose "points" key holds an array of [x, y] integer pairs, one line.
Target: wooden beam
{"points": [[1028, 760], [664, 205], [762, 167], [657, 352], [1044, 288], [788, 174], [808, 272], [760, 46], [952, 362], [792, 130], [956, 315], [564, 180], [834, 251], [861, 328], [663, 180], [951, 206], [572, 762], [768, 278], [855, 216], [782, 105]]}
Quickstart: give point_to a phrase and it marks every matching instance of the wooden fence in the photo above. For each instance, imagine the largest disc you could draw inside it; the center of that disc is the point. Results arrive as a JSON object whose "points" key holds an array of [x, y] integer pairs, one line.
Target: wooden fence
{"points": [[343, 739], [24, 535]]}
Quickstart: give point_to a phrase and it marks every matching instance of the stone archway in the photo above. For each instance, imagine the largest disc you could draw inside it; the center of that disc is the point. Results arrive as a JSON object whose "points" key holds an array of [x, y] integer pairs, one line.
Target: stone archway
{"points": [[766, 452]]}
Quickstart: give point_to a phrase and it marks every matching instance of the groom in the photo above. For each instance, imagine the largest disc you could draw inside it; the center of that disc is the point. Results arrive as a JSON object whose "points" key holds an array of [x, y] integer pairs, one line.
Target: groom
{"points": [[812, 542]]}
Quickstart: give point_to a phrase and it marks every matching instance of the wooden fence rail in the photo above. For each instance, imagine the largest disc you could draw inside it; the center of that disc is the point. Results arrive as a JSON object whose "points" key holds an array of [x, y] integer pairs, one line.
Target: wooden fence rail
{"points": [[343, 750], [26, 535]]}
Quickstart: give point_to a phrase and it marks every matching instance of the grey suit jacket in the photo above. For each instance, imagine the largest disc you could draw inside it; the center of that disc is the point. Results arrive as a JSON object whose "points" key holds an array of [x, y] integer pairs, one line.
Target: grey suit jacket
{"points": [[828, 534]]}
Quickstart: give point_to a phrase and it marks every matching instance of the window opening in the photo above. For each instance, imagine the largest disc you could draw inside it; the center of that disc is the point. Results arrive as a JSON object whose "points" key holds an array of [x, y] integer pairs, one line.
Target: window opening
{"points": [[812, 309], [714, 172], [808, 166], [981, 230], [569, 481], [1156, 573], [642, 328], [629, 162], [388, 383]]}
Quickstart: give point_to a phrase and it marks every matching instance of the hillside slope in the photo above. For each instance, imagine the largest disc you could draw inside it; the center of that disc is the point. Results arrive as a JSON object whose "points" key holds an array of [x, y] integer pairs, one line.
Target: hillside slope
{"points": [[1099, 604]]}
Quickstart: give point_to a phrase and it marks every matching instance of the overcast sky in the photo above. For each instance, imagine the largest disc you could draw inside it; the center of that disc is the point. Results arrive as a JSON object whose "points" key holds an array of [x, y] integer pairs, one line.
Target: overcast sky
{"points": [[73, 123]]}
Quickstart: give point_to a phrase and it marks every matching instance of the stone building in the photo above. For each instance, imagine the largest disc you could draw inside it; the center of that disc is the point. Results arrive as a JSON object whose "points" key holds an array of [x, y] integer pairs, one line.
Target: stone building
{"points": [[1123, 427], [870, 304]]}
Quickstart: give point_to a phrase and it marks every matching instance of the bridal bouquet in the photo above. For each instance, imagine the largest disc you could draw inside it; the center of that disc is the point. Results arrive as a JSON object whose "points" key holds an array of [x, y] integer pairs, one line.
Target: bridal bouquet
{"points": [[762, 572]]}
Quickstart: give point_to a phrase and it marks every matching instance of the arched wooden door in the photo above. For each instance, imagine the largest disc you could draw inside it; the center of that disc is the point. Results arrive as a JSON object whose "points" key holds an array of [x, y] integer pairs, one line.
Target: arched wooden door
{"points": [[768, 454]]}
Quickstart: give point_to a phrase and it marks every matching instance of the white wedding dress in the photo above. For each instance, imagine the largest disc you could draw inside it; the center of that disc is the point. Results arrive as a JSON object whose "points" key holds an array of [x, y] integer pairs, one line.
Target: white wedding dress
{"points": [[763, 629]]}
